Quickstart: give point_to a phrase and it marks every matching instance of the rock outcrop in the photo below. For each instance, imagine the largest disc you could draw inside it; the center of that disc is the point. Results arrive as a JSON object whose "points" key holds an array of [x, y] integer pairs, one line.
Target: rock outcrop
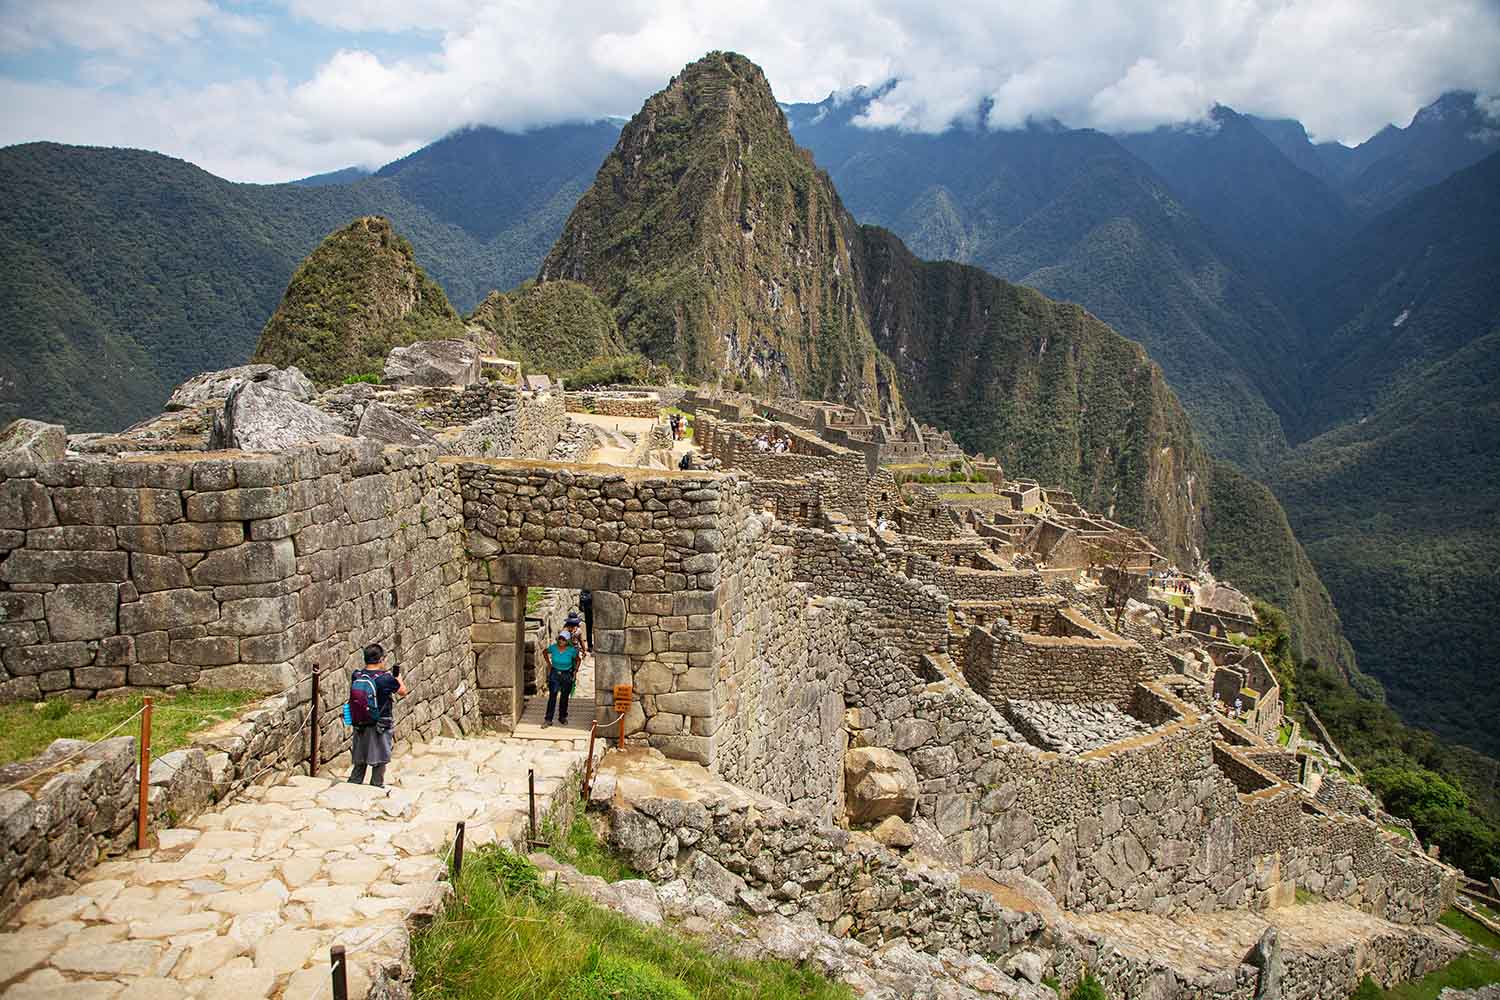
{"points": [[42, 441], [356, 296], [878, 783], [433, 362], [258, 418], [212, 387], [381, 423]]}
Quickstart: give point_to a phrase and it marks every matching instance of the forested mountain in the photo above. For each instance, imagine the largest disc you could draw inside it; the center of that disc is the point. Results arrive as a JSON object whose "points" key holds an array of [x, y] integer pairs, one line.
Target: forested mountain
{"points": [[134, 271], [1399, 503], [1267, 210], [1076, 215]]}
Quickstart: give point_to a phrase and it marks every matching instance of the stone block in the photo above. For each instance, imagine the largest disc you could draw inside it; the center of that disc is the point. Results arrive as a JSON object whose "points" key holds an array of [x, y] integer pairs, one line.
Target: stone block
{"points": [[239, 504], [273, 648], [496, 666], [114, 505], [20, 607], [691, 640], [82, 611], [151, 573], [637, 641], [610, 640], [250, 562], [209, 651], [31, 566], [47, 656], [249, 677], [88, 537], [162, 674], [99, 678], [24, 503], [695, 748], [699, 703], [258, 615], [150, 647], [191, 536], [168, 609], [44, 442], [115, 651], [141, 538]]}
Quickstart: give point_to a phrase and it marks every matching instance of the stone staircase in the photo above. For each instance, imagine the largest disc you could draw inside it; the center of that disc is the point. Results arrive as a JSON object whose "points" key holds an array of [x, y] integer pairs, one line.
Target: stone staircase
{"points": [[246, 900]]}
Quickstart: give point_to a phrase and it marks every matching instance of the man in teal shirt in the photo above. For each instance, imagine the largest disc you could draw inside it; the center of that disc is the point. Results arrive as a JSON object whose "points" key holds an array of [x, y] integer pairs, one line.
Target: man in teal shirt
{"points": [[563, 674]]}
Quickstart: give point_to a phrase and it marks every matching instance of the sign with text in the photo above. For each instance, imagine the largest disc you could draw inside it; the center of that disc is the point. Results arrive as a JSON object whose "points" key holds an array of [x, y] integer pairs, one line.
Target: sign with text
{"points": [[623, 695]]}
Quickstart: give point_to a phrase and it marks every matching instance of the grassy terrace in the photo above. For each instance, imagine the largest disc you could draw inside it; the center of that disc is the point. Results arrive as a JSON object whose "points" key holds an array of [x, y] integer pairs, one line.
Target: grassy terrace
{"points": [[507, 935], [28, 729], [1480, 966]]}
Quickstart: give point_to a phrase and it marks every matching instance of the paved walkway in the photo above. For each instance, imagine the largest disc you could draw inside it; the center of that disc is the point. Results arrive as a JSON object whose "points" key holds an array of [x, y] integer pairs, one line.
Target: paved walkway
{"points": [[245, 901]]}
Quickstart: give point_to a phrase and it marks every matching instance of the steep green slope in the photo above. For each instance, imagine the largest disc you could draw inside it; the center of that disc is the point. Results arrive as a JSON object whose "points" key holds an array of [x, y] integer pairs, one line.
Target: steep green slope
{"points": [[1074, 214], [1251, 543], [141, 270], [554, 327], [717, 243], [1401, 513], [1413, 286], [1043, 385], [359, 294]]}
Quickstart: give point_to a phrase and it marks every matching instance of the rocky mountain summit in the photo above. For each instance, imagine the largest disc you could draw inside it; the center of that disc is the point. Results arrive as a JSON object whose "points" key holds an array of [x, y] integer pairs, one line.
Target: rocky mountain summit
{"points": [[356, 296]]}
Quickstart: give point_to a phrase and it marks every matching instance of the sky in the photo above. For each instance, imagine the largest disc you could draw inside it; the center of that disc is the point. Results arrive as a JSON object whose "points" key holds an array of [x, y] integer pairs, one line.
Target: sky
{"points": [[271, 90]]}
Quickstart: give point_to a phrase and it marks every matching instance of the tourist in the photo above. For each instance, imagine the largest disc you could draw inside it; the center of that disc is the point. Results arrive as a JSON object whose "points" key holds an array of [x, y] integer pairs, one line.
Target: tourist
{"points": [[586, 604], [676, 427], [686, 464], [761, 444], [562, 674], [573, 626], [374, 725]]}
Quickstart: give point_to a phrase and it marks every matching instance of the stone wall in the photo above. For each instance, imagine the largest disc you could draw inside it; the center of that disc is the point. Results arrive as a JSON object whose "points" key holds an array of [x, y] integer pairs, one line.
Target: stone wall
{"points": [[841, 472], [237, 571], [1089, 665], [889, 607], [965, 583], [612, 404], [1150, 823]]}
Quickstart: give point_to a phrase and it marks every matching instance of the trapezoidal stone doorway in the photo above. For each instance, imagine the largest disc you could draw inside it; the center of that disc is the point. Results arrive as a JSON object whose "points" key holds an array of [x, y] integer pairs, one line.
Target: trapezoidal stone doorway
{"points": [[649, 544], [499, 585]]}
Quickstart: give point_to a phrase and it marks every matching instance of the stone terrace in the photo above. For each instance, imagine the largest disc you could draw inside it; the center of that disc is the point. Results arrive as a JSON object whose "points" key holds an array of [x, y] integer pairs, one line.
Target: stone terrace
{"points": [[246, 900]]}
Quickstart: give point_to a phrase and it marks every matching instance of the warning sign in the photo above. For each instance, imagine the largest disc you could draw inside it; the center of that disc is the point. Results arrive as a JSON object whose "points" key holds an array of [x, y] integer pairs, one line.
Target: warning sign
{"points": [[623, 695]]}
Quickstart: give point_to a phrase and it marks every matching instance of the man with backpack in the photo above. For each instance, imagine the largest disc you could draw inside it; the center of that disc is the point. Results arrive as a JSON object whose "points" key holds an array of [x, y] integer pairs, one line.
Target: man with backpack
{"points": [[562, 674], [371, 711]]}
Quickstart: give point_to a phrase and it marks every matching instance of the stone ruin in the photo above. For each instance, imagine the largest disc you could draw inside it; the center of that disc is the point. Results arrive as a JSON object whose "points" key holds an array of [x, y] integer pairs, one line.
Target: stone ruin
{"points": [[903, 680]]}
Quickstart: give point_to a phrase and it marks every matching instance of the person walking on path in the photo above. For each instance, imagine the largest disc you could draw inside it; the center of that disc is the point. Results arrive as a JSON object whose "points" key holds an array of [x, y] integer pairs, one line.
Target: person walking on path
{"points": [[562, 656], [574, 629], [372, 694]]}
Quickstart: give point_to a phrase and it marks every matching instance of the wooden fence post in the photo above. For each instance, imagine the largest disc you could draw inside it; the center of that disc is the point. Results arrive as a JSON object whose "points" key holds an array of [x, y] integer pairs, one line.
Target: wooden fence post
{"points": [[145, 775], [339, 969], [312, 750], [458, 851]]}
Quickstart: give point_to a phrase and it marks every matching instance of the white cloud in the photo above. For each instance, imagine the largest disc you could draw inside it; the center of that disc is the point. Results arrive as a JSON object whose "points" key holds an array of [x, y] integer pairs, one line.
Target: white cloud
{"points": [[1344, 67]]}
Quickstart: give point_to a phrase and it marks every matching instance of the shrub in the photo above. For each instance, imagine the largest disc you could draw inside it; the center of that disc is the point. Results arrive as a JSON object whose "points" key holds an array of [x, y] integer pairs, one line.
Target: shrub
{"points": [[373, 378], [1088, 988]]}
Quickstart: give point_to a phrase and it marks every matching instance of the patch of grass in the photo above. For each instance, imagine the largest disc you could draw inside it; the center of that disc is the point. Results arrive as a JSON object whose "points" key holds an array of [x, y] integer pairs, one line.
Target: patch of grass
{"points": [[1470, 928], [534, 597], [373, 378], [506, 935], [1305, 896], [1393, 828], [1088, 988], [28, 729], [1474, 968], [580, 847]]}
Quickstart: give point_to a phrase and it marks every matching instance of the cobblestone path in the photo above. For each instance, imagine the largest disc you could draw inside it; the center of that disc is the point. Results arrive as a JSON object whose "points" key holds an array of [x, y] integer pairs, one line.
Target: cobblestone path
{"points": [[245, 901]]}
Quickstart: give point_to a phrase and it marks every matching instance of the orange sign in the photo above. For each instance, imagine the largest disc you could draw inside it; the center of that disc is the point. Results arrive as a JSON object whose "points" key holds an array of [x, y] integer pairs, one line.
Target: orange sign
{"points": [[623, 695]]}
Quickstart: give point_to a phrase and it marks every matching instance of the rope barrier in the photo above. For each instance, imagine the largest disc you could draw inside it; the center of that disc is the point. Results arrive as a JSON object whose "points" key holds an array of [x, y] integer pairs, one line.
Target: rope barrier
{"points": [[75, 754]]}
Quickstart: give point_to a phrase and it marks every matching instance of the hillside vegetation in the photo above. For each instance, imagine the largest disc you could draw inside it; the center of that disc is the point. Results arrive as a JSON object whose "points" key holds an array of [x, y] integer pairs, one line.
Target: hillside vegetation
{"points": [[553, 327], [359, 294], [131, 271]]}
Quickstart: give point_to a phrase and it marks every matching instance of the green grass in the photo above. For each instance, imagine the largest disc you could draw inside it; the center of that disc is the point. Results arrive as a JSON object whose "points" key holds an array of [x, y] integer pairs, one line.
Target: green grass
{"points": [[506, 935], [1393, 828], [579, 846], [28, 729], [534, 597], [1478, 967]]}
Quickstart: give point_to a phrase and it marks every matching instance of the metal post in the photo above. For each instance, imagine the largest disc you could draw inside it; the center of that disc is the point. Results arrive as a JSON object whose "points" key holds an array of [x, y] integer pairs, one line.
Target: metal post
{"points": [[312, 750], [145, 775], [458, 851], [531, 799], [340, 970]]}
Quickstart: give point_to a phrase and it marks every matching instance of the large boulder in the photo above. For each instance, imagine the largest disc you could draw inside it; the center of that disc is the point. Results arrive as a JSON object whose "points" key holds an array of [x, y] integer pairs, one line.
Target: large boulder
{"points": [[381, 423], [43, 442], [259, 418], [211, 387], [878, 783], [433, 363]]}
